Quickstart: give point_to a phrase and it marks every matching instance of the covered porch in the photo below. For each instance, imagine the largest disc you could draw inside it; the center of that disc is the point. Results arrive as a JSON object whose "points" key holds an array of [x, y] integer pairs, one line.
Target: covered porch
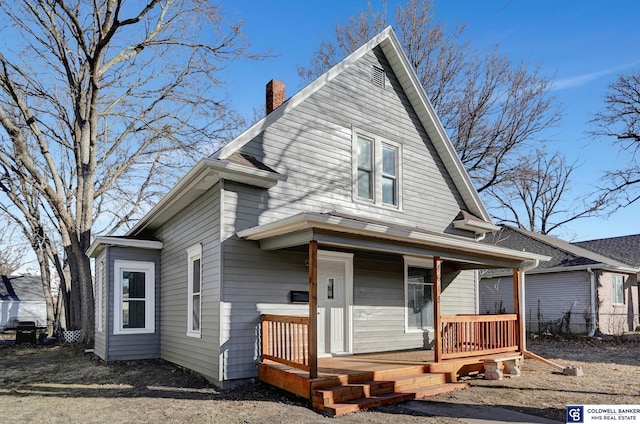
{"points": [[353, 380]]}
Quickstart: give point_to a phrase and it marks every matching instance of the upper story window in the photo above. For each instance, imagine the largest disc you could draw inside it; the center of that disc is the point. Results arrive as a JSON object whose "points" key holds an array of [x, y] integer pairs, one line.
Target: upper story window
{"points": [[134, 310], [618, 290], [194, 282], [376, 170]]}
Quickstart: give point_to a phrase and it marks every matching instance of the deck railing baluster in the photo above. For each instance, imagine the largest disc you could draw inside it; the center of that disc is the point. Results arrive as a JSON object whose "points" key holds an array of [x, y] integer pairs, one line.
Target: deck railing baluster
{"points": [[284, 340], [473, 335]]}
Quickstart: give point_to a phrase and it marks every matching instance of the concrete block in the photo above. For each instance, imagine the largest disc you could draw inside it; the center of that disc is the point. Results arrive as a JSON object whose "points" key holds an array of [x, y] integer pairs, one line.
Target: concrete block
{"points": [[492, 370], [512, 367], [573, 370]]}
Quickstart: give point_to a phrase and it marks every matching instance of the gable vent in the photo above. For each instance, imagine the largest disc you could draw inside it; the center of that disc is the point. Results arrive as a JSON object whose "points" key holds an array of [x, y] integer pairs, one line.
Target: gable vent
{"points": [[377, 76]]}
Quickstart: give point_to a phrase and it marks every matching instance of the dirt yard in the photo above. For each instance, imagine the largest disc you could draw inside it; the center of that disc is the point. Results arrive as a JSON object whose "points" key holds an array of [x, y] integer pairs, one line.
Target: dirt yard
{"points": [[60, 384]]}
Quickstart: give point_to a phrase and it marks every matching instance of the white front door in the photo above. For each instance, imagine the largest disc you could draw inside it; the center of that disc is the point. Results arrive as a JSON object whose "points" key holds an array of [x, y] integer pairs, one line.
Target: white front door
{"points": [[335, 288]]}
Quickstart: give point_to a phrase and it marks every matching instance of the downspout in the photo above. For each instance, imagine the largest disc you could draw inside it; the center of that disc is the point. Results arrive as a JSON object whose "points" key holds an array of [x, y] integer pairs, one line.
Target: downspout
{"points": [[592, 289], [523, 323]]}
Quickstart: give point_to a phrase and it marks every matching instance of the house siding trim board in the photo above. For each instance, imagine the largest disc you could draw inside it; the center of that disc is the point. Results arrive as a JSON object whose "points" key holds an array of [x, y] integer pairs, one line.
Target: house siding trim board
{"points": [[358, 226]]}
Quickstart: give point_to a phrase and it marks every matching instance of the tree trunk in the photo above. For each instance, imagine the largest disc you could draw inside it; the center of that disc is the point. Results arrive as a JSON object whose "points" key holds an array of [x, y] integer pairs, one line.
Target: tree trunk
{"points": [[45, 277]]}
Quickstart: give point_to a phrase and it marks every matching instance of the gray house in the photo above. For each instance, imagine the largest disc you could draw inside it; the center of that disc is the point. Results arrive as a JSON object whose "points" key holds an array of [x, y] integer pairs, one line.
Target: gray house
{"points": [[581, 289], [341, 223]]}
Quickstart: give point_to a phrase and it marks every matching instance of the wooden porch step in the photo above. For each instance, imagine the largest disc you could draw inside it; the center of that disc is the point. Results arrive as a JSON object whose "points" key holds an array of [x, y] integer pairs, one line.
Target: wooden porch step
{"points": [[350, 392], [420, 381], [355, 405]]}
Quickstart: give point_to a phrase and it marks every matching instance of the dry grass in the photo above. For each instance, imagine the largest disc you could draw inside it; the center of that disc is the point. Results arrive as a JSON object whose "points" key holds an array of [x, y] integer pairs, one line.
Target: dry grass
{"points": [[612, 376], [62, 384]]}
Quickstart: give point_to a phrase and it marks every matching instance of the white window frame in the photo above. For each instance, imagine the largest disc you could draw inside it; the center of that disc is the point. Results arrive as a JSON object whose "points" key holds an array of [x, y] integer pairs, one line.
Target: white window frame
{"points": [[410, 261], [617, 283], [148, 268], [193, 253], [100, 277], [377, 175]]}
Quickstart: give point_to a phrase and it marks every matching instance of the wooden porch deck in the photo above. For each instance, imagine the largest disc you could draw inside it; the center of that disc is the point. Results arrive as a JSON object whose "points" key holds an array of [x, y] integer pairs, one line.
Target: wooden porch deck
{"points": [[350, 383]]}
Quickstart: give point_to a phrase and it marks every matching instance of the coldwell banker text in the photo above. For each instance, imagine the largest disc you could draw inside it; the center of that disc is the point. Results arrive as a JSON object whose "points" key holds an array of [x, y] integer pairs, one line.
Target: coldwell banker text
{"points": [[599, 413]]}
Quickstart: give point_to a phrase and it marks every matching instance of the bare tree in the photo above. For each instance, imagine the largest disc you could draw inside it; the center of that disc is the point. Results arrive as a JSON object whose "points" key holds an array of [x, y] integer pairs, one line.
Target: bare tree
{"points": [[535, 198], [493, 110], [101, 102], [25, 212], [11, 250], [621, 120]]}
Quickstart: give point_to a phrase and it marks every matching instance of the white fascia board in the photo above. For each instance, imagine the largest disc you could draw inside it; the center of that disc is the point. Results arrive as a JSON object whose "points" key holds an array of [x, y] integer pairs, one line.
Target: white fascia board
{"points": [[432, 124], [477, 227], [100, 242], [603, 267], [417, 96], [344, 225], [204, 175], [290, 104]]}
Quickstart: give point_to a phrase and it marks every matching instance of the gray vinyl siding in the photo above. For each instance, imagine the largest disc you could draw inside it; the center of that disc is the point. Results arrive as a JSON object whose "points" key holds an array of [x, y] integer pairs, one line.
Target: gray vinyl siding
{"points": [[259, 281], [256, 282], [131, 346], [197, 223], [312, 146], [459, 293], [100, 337], [379, 309], [548, 297]]}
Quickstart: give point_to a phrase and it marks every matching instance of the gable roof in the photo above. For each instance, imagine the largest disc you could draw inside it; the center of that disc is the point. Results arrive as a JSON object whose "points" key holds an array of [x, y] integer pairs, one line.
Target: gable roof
{"points": [[565, 256], [624, 249], [19, 288], [405, 74], [204, 175]]}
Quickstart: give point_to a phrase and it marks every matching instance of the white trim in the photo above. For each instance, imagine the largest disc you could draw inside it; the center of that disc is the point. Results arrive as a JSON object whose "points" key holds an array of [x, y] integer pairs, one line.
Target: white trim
{"points": [[194, 253], [478, 227], [148, 268], [99, 296], [409, 81], [614, 281], [100, 242], [347, 259], [204, 175], [377, 145], [414, 262], [307, 220]]}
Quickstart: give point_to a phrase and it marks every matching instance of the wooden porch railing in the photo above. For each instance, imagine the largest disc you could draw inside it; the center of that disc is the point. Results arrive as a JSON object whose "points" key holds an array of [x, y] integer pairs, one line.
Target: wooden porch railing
{"points": [[471, 335], [285, 339]]}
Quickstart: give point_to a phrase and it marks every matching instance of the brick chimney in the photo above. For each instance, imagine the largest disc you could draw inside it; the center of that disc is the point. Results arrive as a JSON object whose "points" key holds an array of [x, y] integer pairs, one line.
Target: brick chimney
{"points": [[276, 95]]}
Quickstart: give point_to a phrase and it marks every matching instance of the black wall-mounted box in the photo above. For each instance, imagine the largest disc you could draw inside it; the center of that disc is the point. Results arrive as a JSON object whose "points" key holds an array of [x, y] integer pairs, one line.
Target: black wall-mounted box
{"points": [[299, 296]]}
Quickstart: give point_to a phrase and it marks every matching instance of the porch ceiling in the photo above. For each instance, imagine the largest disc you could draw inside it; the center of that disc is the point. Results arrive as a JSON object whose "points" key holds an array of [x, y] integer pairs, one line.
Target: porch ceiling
{"points": [[355, 233]]}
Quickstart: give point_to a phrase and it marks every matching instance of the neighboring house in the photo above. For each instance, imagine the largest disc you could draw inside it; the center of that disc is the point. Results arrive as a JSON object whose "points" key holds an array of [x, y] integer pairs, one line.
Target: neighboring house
{"points": [[579, 290], [22, 299], [328, 228], [625, 249]]}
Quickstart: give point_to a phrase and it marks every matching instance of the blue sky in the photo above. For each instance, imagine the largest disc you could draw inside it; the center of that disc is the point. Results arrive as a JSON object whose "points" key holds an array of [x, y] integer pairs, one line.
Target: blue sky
{"points": [[584, 45]]}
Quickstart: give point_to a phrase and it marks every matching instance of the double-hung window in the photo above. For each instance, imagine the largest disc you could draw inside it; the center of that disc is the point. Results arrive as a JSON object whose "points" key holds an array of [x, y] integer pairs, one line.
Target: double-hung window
{"points": [[618, 290], [376, 170], [134, 310], [194, 282], [418, 295]]}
